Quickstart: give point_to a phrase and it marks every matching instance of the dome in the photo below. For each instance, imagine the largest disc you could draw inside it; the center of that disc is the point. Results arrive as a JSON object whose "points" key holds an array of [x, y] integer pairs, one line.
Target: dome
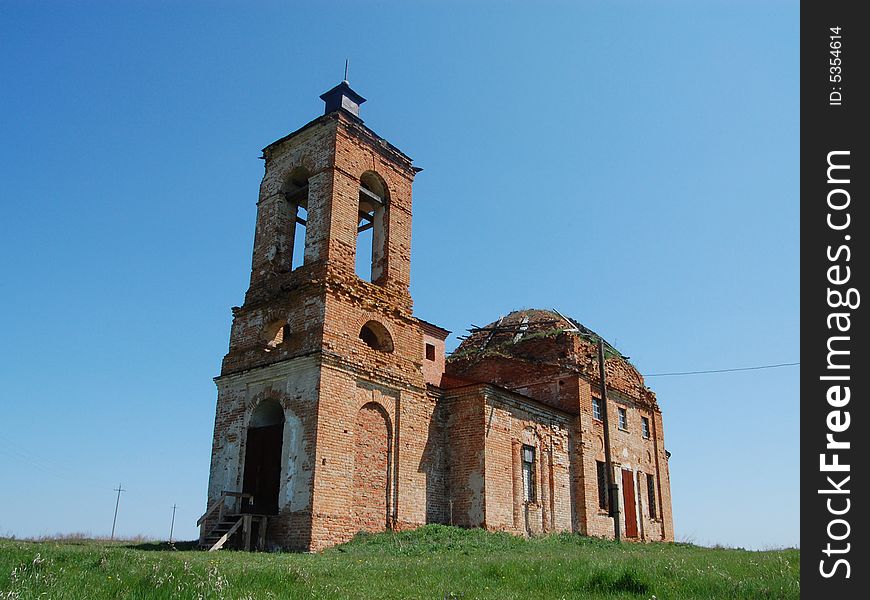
{"points": [[503, 336], [543, 339], [535, 344]]}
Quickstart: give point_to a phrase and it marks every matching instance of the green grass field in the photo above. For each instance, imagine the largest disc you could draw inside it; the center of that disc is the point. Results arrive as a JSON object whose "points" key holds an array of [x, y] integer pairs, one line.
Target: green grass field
{"points": [[432, 562]]}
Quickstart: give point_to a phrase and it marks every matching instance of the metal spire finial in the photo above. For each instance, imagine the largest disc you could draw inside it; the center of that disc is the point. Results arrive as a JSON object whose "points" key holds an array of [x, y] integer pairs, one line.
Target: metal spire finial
{"points": [[345, 69]]}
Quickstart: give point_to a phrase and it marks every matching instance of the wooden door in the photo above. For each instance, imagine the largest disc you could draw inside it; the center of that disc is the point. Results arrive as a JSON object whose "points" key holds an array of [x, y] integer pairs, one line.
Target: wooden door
{"points": [[262, 476], [629, 504]]}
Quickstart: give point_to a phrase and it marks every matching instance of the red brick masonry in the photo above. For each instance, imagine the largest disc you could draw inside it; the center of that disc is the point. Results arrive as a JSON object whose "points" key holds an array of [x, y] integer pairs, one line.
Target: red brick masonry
{"points": [[381, 431]]}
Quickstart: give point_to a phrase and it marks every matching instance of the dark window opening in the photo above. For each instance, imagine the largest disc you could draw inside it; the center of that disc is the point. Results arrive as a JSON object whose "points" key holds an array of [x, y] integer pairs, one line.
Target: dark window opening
{"points": [[644, 427], [376, 337], [623, 419], [596, 409], [529, 492], [430, 352], [651, 495], [369, 337], [602, 485]]}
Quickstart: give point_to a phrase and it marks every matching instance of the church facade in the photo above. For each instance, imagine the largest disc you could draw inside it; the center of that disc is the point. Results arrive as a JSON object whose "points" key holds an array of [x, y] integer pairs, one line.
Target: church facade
{"points": [[338, 411]]}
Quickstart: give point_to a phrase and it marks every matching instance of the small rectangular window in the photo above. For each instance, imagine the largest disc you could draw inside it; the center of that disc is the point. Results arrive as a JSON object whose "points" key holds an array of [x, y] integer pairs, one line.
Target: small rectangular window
{"points": [[596, 409], [529, 474], [623, 419], [430, 351], [651, 495], [602, 484], [644, 427]]}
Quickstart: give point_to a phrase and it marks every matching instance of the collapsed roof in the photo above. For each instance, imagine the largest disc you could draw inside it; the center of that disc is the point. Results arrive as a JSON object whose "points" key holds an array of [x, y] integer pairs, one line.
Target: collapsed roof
{"points": [[541, 343], [500, 337]]}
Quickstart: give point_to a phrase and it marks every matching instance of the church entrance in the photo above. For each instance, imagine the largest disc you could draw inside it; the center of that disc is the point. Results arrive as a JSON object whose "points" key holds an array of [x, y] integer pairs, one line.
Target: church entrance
{"points": [[629, 504], [262, 475]]}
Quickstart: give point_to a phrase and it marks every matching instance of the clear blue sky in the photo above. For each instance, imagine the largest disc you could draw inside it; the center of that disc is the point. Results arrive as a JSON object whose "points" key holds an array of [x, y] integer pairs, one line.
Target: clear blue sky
{"points": [[632, 164]]}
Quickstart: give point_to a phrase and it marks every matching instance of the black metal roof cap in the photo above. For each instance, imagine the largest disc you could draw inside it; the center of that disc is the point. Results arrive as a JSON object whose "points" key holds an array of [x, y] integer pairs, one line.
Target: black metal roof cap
{"points": [[342, 96]]}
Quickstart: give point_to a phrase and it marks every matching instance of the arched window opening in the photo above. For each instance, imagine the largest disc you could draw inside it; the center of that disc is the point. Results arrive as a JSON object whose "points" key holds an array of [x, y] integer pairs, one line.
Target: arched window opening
{"points": [[275, 334], [371, 231], [296, 195], [376, 336], [266, 414]]}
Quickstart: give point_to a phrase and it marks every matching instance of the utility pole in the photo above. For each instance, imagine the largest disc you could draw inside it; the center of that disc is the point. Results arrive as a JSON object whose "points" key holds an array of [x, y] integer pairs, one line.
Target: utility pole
{"points": [[612, 486], [117, 502], [172, 526]]}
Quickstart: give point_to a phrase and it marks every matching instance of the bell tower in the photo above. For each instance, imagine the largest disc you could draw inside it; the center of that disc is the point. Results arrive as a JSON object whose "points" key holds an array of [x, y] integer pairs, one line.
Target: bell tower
{"points": [[333, 191], [325, 361]]}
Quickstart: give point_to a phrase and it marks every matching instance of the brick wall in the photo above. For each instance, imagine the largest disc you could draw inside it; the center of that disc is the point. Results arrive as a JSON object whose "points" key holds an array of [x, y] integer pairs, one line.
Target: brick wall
{"points": [[371, 466], [511, 423], [466, 488]]}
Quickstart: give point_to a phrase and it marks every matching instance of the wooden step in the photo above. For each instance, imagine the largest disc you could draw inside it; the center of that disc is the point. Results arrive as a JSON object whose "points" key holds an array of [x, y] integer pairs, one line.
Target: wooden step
{"points": [[231, 525]]}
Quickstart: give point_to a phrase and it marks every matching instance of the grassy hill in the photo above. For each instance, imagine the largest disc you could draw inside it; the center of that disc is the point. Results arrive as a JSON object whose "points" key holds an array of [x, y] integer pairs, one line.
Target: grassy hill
{"points": [[433, 562]]}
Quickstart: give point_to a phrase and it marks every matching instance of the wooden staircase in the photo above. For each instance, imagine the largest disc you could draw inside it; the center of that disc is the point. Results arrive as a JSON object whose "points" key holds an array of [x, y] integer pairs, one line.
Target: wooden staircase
{"points": [[232, 523]]}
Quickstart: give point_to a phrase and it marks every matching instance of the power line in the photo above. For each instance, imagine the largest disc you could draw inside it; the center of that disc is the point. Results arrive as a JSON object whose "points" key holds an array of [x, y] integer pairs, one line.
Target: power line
{"points": [[47, 467], [755, 368]]}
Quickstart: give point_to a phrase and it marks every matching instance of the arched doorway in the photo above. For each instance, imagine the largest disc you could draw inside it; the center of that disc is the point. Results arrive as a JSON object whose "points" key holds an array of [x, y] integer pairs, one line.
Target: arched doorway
{"points": [[371, 473], [262, 476]]}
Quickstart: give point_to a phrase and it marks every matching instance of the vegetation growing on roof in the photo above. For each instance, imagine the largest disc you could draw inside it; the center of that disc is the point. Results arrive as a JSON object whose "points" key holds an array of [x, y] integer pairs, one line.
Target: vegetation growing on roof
{"points": [[502, 348], [478, 344]]}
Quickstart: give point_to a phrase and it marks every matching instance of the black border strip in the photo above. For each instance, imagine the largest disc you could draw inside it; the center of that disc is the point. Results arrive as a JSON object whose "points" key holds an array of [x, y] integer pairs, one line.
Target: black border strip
{"points": [[835, 224]]}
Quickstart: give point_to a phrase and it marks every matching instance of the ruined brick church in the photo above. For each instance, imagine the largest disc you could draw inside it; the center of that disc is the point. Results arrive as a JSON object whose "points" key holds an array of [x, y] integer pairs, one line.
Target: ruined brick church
{"points": [[338, 411]]}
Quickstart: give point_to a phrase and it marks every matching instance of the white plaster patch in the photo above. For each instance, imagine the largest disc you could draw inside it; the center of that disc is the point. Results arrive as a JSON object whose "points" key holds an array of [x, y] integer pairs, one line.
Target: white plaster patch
{"points": [[227, 451], [225, 471], [294, 492]]}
